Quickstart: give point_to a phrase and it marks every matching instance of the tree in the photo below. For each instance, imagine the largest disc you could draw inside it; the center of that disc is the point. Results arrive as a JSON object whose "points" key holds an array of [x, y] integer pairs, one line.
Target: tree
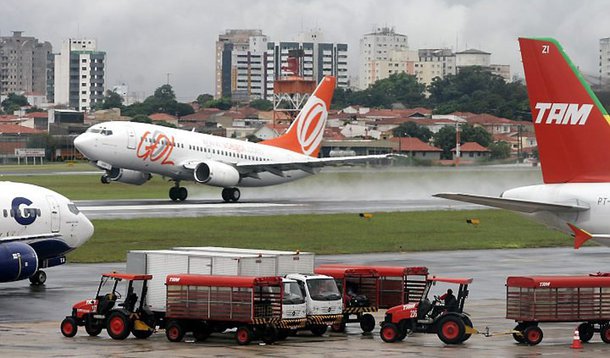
{"points": [[469, 133], [397, 88], [141, 118], [499, 150], [112, 100], [261, 104], [184, 109], [223, 103], [445, 139], [412, 129], [14, 102], [203, 98]]}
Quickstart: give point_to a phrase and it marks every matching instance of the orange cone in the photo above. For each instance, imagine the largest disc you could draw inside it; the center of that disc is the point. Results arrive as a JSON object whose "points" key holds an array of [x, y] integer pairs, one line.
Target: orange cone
{"points": [[576, 344]]}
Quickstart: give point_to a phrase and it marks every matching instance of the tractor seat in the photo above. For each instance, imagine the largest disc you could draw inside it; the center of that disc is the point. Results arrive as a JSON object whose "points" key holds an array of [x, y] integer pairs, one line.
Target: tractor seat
{"points": [[105, 303], [424, 307]]}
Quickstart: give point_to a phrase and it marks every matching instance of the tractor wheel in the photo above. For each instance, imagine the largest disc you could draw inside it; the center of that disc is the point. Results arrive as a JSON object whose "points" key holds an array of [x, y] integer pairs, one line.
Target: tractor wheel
{"points": [[174, 331], [467, 322], [201, 332], [93, 326], [118, 325], [519, 337], [585, 332], [243, 335], [68, 327], [282, 334], [269, 334], [532, 335], [338, 327], [451, 330], [604, 333], [389, 333], [141, 334], [367, 323], [318, 330]]}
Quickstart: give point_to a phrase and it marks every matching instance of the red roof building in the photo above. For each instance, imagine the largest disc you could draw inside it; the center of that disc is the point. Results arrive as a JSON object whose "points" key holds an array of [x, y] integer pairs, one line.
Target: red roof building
{"points": [[417, 149], [472, 151]]}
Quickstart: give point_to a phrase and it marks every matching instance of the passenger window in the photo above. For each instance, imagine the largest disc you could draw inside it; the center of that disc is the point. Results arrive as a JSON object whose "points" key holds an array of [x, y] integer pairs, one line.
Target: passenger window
{"points": [[5, 213]]}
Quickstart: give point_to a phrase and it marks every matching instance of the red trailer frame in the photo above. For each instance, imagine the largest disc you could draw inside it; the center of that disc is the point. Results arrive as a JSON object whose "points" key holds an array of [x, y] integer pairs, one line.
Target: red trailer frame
{"points": [[534, 299], [203, 303]]}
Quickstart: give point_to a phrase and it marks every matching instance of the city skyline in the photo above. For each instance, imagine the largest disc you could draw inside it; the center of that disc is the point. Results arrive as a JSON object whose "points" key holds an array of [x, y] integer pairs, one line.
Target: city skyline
{"points": [[147, 40]]}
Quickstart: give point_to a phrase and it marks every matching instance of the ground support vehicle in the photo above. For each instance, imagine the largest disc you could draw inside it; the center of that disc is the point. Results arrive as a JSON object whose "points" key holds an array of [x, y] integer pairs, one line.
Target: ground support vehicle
{"points": [[359, 288], [323, 300], [451, 324], [398, 285], [118, 319], [531, 300], [204, 304]]}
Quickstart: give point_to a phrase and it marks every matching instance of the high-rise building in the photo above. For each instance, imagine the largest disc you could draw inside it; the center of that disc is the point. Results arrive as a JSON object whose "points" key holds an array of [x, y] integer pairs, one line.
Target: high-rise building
{"points": [[604, 61], [25, 65], [79, 74], [382, 53]]}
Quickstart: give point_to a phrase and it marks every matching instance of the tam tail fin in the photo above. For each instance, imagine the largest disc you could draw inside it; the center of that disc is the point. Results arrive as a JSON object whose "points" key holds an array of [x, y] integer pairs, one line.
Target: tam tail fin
{"points": [[305, 133], [572, 127]]}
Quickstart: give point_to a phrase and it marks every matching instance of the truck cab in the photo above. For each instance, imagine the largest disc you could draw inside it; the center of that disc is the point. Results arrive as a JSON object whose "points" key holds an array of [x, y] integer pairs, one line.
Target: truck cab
{"points": [[323, 301]]}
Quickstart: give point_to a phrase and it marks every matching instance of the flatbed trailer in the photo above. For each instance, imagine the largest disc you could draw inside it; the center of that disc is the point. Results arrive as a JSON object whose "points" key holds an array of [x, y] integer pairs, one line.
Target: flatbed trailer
{"points": [[531, 300]]}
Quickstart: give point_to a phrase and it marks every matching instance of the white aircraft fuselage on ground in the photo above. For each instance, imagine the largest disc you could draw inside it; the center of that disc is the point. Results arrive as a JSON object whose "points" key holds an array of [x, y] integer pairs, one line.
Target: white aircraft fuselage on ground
{"points": [[37, 228]]}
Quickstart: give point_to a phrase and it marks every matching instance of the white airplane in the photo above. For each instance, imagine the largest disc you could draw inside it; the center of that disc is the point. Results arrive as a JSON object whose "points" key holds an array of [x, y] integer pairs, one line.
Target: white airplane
{"points": [[573, 135], [37, 228], [130, 152]]}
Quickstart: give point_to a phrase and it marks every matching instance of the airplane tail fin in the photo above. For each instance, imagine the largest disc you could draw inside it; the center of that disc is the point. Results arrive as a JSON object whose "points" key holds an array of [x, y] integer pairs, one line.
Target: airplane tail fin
{"points": [[572, 127], [305, 133]]}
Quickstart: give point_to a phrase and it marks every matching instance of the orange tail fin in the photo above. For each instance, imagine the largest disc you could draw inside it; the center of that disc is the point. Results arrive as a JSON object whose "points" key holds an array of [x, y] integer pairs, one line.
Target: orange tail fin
{"points": [[572, 127], [305, 133]]}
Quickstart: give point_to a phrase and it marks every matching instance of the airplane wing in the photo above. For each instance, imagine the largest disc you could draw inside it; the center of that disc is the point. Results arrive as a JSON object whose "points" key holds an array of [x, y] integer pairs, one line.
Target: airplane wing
{"points": [[524, 206]]}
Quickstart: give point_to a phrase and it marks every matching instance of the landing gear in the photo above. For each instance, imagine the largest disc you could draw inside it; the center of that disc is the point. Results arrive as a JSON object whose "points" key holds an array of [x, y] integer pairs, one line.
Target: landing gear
{"points": [[38, 278], [105, 179], [178, 193], [230, 194]]}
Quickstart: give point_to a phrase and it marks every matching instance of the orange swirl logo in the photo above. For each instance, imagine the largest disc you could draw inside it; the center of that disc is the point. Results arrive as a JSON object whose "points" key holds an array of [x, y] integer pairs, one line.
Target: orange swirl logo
{"points": [[310, 129], [159, 149]]}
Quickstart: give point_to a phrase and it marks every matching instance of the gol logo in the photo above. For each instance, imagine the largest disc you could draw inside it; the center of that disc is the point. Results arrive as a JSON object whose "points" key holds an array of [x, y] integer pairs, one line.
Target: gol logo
{"points": [[159, 150], [310, 128]]}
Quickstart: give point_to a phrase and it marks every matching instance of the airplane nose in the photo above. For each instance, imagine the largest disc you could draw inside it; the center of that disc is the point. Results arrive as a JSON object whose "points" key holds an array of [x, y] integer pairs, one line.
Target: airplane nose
{"points": [[85, 230], [83, 143]]}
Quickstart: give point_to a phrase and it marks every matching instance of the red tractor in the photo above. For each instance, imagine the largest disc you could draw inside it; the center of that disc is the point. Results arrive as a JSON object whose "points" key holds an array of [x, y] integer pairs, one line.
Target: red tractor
{"points": [[103, 311], [447, 319]]}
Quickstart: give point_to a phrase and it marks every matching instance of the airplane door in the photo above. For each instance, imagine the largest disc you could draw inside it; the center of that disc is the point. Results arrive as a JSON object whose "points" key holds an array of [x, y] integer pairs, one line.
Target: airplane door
{"points": [[55, 222], [131, 138]]}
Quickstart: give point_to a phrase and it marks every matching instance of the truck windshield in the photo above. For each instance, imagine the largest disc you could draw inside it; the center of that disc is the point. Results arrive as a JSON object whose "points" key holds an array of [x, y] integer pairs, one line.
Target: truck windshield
{"points": [[292, 294], [323, 289]]}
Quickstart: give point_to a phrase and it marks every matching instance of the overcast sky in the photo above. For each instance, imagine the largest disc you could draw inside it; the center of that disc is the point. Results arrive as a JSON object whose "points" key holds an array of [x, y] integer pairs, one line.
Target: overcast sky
{"points": [[146, 39]]}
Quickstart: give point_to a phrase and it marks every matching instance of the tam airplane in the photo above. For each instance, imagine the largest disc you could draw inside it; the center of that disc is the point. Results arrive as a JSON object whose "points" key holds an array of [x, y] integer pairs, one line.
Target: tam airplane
{"points": [[573, 134], [37, 228], [131, 152]]}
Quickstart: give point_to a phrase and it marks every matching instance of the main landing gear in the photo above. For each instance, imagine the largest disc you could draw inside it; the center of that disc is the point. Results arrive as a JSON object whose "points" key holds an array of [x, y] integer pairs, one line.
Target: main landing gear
{"points": [[178, 193], [230, 194], [38, 278]]}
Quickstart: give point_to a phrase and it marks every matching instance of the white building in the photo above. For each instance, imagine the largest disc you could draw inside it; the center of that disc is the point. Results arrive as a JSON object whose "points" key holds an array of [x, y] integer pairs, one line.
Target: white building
{"points": [[472, 57], [435, 62], [79, 74], [383, 51], [604, 61]]}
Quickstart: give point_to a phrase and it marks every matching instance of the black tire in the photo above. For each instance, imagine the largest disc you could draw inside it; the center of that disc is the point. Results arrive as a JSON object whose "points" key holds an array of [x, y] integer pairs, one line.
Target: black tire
{"points": [[234, 195], [532, 335], [174, 331], [68, 327], [118, 325], [367, 323], [468, 323], [604, 333], [201, 332], [105, 179], [389, 333], [141, 334], [38, 278], [269, 334], [451, 330], [243, 335], [318, 330], [585, 332], [182, 193], [282, 334], [93, 326], [519, 337], [338, 327], [225, 195], [173, 193]]}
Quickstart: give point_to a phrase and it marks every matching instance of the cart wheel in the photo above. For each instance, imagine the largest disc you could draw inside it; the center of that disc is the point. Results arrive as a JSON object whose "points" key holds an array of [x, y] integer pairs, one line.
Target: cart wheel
{"points": [[532, 335], [467, 322], [604, 333], [201, 332], [585, 332], [319, 330], [93, 326], [269, 335], [389, 333], [451, 330], [519, 337], [118, 325], [338, 327], [367, 323], [174, 331], [68, 327], [243, 335]]}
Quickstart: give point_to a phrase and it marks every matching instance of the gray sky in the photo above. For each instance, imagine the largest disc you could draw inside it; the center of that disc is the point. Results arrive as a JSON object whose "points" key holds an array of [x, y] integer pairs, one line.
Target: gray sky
{"points": [[145, 39]]}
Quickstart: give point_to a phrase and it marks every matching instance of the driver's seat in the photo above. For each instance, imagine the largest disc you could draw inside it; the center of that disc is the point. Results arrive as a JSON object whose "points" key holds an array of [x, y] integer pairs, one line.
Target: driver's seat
{"points": [[424, 307]]}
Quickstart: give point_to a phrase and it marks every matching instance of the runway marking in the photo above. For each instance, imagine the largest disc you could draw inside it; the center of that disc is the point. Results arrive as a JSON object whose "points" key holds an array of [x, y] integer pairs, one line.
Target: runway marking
{"points": [[185, 206]]}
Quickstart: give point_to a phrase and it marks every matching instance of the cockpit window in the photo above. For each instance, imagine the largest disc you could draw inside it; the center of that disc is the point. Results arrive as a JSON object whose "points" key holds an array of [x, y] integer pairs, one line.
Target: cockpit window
{"points": [[93, 130], [106, 132], [73, 209]]}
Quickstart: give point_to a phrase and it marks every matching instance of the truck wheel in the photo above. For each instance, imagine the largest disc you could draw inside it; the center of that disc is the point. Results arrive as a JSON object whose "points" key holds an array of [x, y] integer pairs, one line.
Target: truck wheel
{"points": [[118, 325], [201, 332], [451, 330], [338, 327], [585, 332], [389, 333], [282, 334], [604, 333], [174, 331], [519, 337], [269, 335], [532, 335], [93, 326], [318, 330], [367, 323], [68, 327], [243, 335]]}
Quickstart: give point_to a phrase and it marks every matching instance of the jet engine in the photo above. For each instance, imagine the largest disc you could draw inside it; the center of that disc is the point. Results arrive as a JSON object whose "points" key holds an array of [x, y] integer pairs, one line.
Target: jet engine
{"points": [[128, 176], [18, 261], [216, 174]]}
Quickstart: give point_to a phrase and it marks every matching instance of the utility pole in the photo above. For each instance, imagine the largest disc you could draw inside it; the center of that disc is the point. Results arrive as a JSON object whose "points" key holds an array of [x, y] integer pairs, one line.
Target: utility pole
{"points": [[168, 74], [457, 144]]}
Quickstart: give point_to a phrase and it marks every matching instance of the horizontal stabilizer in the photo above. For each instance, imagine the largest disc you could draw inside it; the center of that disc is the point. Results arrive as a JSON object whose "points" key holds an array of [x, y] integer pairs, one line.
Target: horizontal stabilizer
{"points": [[581, 236], [524, 206]]}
